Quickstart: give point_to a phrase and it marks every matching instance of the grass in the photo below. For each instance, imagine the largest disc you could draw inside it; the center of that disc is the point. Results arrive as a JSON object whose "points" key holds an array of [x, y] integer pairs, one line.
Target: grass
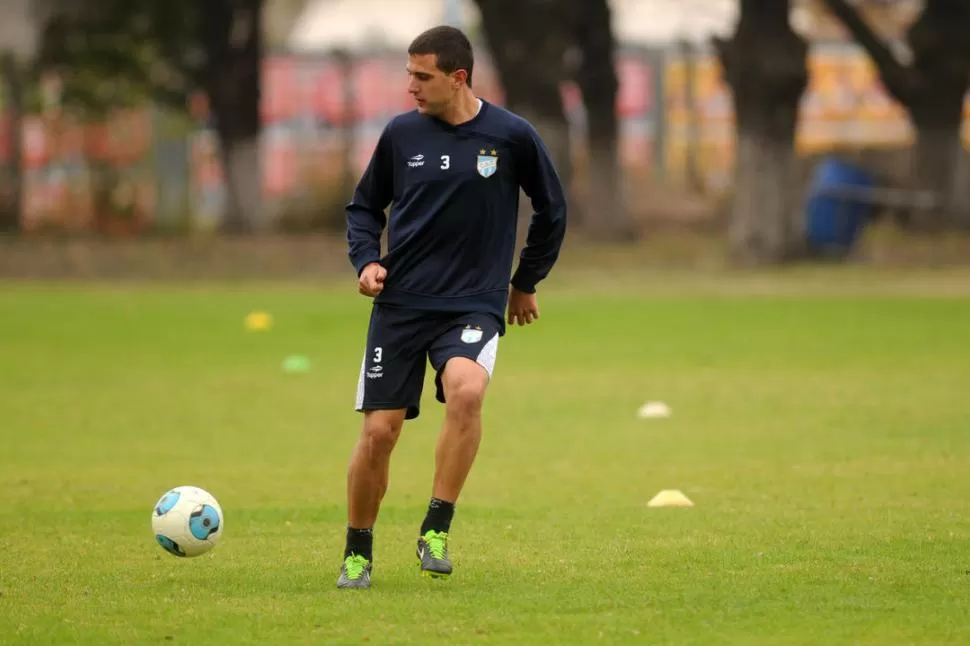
{"points": [[819, 424]]}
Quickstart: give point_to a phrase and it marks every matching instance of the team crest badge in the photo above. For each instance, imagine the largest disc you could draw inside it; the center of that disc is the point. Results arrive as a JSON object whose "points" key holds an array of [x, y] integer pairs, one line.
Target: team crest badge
{"points": [[471, 334], [487, 163]]}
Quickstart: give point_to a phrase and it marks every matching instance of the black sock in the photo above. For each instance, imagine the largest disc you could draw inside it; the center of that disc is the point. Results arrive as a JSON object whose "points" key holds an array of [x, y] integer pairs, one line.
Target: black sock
{"points": [[360, 542], [440, 513]]}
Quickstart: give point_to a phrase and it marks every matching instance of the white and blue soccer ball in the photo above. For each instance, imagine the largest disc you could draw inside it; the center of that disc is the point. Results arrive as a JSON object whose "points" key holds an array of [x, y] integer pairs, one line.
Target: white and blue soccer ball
{"points": [[187, 521]]}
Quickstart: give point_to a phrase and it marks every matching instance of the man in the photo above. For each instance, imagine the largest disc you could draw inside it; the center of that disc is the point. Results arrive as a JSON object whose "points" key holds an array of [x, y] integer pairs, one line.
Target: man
{"points": [[451, 169]]}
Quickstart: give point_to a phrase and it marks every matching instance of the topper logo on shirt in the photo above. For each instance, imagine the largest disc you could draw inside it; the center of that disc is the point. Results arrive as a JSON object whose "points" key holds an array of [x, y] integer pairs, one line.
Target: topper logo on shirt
{"points": [[487, 164], [416, 160]]}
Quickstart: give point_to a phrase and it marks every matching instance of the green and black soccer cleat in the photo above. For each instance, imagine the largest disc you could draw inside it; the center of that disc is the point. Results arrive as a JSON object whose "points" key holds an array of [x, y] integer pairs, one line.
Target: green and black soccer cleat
{"points": [[433, 554], [355, 572]]}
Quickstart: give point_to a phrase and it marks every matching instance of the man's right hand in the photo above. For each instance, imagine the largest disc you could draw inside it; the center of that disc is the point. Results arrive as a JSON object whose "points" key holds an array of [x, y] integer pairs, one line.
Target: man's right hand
{"points": [[371, 281]]}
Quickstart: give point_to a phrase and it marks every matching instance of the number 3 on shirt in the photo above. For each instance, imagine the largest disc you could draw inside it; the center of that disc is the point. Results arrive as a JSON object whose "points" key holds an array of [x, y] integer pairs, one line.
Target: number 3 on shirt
{"points": [[445, 162]]}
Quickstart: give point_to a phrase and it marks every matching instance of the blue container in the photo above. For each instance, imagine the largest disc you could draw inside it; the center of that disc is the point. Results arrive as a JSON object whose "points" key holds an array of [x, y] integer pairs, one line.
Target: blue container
{"points": [[836, 209]]}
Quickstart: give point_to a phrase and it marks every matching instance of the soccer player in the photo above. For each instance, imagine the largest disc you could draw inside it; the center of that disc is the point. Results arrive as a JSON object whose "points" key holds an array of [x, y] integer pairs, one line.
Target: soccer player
{"points": [[451, 170]]}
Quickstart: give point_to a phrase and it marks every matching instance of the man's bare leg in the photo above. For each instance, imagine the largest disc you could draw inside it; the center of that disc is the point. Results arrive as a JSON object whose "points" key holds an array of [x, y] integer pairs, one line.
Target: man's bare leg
{"points": [[464, 383], [367, 478], [370, 463]]}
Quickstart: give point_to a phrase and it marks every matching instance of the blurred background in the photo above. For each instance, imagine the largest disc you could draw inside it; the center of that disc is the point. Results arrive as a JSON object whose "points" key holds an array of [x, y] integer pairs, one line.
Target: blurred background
{"points": [[774, 131]]}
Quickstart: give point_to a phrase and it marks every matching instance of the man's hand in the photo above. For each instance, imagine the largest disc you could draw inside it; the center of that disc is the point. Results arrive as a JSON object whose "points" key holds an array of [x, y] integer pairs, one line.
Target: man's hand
{"points": [[371, 281], [523, 308]]}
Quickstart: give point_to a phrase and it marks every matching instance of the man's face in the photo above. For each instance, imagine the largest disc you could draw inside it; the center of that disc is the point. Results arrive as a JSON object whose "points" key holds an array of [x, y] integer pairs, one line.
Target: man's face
{"points": [[432, 89]]}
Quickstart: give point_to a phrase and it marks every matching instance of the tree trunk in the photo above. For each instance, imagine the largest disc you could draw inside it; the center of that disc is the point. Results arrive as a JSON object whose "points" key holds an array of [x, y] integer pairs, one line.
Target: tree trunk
{"points": [[765, 66], [232, 36], [932, 88], [936, 156], [941, 61], [531, 69], [11, 210], [596, 76], [960, 190], [242, 165]]}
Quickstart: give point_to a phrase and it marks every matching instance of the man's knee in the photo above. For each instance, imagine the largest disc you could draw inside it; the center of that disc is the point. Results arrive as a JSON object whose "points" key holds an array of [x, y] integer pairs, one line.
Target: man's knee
{"points": [[464, 383], [381, 430]]}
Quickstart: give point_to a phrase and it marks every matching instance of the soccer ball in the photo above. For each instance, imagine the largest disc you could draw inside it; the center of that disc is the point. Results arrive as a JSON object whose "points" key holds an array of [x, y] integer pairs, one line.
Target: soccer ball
{"points": [[187, 521]]}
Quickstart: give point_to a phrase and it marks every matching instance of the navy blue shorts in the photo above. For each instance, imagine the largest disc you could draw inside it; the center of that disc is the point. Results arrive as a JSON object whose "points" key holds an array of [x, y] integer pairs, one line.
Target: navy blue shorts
{"points": [[401, 342]]}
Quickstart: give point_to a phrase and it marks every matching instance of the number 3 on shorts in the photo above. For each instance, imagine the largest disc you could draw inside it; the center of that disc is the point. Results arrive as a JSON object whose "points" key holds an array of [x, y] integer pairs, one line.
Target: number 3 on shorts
{"points": [[378, 354]]}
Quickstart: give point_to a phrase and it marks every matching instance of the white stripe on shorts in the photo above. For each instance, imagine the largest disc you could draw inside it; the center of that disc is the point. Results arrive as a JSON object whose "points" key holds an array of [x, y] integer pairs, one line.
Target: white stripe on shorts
{"points": [[486, 358], [360, 384]]}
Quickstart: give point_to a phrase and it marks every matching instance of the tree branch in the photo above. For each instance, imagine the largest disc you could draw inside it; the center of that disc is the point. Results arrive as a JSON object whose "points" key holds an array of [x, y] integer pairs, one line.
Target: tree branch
{"points": [[895, 75]]}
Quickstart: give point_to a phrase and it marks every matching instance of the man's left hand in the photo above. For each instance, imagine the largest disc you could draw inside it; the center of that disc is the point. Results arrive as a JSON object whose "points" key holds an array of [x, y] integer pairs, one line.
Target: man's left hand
{"points": [[523, 308]]}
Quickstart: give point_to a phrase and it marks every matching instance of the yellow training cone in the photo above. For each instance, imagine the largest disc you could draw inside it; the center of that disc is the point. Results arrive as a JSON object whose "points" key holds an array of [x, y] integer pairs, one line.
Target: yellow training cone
{"points": [[258, 321], [670, 498]]}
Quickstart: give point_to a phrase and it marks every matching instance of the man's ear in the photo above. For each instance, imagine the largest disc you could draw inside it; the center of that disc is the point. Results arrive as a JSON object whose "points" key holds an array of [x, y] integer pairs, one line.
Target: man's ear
{"points": [[461, 76]]}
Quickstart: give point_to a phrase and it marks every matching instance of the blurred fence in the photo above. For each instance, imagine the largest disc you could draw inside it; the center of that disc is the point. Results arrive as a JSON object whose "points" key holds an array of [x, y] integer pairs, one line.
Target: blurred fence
{"points": [[148, 169]]}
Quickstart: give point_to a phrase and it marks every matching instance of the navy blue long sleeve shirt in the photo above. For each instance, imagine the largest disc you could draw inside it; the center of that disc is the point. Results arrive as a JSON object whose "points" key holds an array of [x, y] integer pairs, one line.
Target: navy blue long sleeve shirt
{"points": [[454, 197]]}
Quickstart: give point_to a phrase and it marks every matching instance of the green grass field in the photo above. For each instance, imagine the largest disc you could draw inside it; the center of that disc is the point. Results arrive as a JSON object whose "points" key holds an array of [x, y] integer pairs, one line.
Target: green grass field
{"points": [[819, 423]]}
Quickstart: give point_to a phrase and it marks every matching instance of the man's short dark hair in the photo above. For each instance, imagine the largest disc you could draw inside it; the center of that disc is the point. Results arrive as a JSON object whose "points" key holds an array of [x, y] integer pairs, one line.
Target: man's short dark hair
{"points": [[450, 46]]}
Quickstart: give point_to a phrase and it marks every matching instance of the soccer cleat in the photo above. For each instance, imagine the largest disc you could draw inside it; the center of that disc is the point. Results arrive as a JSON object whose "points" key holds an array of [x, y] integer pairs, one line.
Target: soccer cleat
{"points": [[355, 572], [433, 554]]}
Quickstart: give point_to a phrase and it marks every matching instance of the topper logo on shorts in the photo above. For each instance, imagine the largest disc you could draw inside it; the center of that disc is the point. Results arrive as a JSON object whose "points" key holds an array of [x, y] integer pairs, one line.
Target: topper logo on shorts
{"points": [[471, 335], [376, 370]]}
